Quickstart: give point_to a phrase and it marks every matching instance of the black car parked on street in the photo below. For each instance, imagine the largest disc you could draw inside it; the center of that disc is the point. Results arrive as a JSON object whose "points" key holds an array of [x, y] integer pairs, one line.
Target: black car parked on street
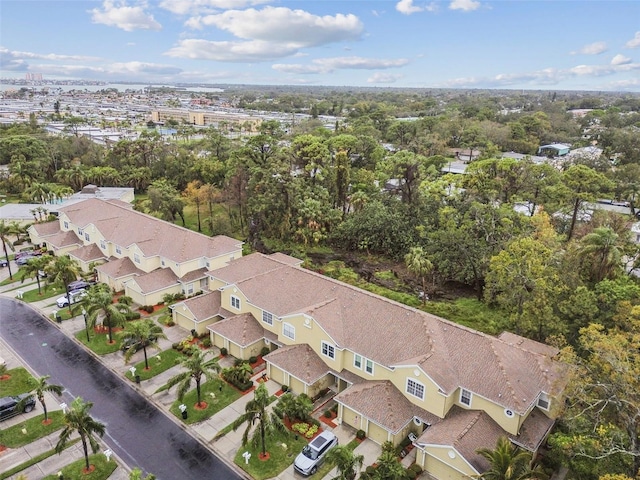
{"points": [[10, 406]]}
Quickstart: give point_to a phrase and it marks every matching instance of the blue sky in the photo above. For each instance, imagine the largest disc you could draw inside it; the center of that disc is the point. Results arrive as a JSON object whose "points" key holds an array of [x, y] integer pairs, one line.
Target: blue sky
{"points": [[514, 44]]}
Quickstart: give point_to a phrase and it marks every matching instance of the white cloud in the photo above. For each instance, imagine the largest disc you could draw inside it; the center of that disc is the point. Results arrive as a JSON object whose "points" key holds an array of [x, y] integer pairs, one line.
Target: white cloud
{"points": [[407, 7], [50, 56], [620, 60], [634, 42], [183, 7], [464, 5], [328, 65], [252, 51], [383, 78], [283, 25], [595, 48], [124, 17]]}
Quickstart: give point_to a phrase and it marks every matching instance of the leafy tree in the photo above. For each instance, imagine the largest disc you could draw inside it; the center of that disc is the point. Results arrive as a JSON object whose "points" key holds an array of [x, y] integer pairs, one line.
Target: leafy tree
{"points": [[42, 387], [136, 474], [346, 461], [602, 418], [78, 420], [144, 332], [294, 407], [389, 467], [165, 201], [419, 264], [196, 366], [255, 412], [603, 250], [508, 462], [582, 184]]}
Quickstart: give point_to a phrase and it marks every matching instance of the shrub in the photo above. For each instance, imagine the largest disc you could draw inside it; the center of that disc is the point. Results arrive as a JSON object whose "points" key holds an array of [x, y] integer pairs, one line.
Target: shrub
{"points": [[265, 351], [223, 351], [237, 362], [206, 342], [360, 435], [416, 468], [411, 475], [149, 308], [170, 323], [335, 408], [328, 414], [175, 345], [284, 388], [133, 316], [125, 300], [253, 359]]}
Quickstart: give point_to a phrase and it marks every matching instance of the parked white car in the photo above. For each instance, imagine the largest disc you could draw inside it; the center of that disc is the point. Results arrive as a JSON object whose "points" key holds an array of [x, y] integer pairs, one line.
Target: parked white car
{"points": [[75, 297]]}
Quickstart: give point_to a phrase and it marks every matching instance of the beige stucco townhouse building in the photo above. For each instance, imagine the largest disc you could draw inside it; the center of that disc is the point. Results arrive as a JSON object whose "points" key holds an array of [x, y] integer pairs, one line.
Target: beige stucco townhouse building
{"points": [[133, 252], [394, 369]]}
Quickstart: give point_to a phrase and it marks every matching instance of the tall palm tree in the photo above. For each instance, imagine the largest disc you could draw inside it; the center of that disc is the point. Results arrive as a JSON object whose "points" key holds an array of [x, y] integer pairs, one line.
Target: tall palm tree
{"points": [[602, 246], [346, 461], [419, 264], [33, 268], [144, 332], [78, 420], [42, 387], [508, 462], [255, 411], [389, 467], [5, 231], [63, 270], [196, 366], [99, 302]]}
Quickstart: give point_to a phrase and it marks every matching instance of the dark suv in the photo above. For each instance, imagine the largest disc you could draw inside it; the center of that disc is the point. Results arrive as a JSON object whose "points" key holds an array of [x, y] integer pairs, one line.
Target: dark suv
{"points": [[9, 406]]}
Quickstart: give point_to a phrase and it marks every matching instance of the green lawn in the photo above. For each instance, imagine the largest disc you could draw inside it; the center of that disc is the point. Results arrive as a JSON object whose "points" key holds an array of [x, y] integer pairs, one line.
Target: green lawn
{"points": [[73, 471], [34, 460], [13, 437], [20, 381], [224, 395], [17, 276], [282, 448], [99, 342], [157, 364], [51, 291]]}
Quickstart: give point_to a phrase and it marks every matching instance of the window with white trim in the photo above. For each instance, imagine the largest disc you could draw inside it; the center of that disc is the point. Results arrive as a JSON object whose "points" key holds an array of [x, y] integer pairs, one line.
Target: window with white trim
{"points": [[544, 401], [289, 331], [189, 288], [162, 263], [118, 249], [66, 225], [86, 237], [80, 232], [328, 350], [368, 366], [415, 388], [357, 361], [235, 302], [136, 258], [103, 245], [267, 317], [465, 397]]}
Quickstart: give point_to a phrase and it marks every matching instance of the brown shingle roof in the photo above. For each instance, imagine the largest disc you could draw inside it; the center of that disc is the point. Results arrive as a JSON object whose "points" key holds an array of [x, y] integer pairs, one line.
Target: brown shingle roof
{"points": [[246, 267], [63, 239], [46, 229], [241, 329], [194, 275], [452, 355], [88, 253], [156, 280], [384, 404], [126, 227], [119, 267], [300, 361], [204, 307]]}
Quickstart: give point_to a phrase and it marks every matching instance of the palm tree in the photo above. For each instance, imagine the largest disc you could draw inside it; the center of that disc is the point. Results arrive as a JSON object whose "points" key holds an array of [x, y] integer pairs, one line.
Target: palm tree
{"points": [[63, 270], [33, 268], [196, 366], [294, 407], [5, 231], [142, 332], [42, 387], [99, 301], [136, 474], [508, 462], [603, 248], [419, 264], [389, 467], [346, 461], [77, 419], [255, 411]]}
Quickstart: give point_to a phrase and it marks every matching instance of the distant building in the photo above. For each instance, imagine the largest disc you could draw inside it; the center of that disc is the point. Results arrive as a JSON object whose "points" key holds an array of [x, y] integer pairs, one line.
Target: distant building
{"points": [[554, 150]]}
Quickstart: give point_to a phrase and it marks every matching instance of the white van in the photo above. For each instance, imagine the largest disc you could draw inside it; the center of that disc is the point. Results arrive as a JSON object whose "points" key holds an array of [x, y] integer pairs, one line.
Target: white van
{"points": [[312, 456]]}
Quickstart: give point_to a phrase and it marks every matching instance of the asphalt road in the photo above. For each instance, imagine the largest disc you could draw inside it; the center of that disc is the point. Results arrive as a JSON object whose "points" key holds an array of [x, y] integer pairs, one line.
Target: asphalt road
{"points": [[137, 431]]}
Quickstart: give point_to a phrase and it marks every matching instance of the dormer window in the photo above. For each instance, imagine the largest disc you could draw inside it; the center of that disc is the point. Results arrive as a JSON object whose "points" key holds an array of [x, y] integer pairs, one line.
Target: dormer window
{"points": [[544, 401], [328, 350], [235, 302], [465, 397]]}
